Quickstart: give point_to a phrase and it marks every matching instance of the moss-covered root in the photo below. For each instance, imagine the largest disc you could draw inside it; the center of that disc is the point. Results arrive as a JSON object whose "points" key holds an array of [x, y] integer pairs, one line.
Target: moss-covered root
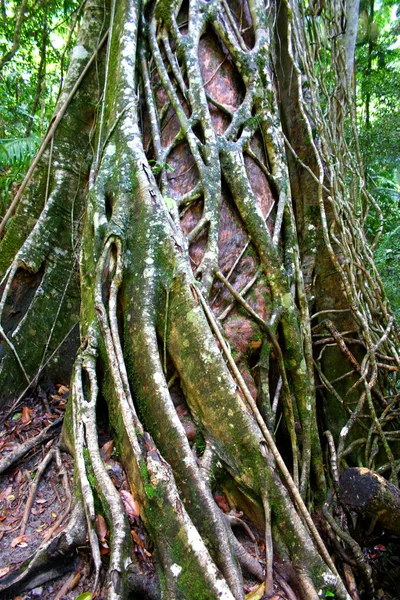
{"points": [[161, 419], [212, 396], [188, 570], [91, 470]]}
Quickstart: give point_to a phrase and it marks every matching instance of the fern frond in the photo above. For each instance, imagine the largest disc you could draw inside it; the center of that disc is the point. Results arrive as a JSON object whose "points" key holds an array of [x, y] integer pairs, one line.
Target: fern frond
{"points": [[17, 150]]}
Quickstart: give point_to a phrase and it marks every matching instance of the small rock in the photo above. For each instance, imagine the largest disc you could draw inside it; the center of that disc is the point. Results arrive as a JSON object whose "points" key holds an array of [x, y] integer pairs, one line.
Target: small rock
{"points": [[37, 592]]}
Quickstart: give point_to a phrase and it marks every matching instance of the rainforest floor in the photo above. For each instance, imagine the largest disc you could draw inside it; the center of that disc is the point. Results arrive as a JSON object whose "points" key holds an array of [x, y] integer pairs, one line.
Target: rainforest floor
{"points": [[36, 499]]}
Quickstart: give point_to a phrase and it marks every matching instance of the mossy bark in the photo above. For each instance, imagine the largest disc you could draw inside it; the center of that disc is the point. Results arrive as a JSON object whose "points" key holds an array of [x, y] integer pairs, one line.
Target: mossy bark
{"points": [[188, 207], [42, 241]]}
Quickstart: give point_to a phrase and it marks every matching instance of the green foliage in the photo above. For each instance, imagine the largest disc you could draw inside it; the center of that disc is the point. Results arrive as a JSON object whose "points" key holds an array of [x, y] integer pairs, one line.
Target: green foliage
{"points": [[15, 151], [378, 103], [157, 167], [29, 81], [387, 259], [15, 156]]}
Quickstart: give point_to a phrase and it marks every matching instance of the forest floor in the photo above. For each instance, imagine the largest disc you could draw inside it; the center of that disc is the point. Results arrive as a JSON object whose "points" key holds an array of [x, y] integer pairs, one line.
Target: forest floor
{"points": [[36, 501]]}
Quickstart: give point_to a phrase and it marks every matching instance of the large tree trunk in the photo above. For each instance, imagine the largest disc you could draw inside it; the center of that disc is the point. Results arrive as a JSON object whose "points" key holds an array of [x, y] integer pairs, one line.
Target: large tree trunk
{"points": [[164, 197]]}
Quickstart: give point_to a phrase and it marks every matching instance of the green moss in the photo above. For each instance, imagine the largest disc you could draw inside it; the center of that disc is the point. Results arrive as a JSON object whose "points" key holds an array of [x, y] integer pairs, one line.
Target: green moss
{"points": [[199, 443], [150, 491]]}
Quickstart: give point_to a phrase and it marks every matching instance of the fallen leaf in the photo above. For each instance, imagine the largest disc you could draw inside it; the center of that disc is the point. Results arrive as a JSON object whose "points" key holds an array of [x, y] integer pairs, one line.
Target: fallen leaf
{"points": [[256, 343], [63, 389], [26, 415], [5, 492], [3, 518], [256, 594], [101, 528], [222, 502], [37, 511], [107, 450], [4, 571], [131, 506], [19, 540], [54, 515], [41, 501], [137, 539], [16, 416], [380, 547]]}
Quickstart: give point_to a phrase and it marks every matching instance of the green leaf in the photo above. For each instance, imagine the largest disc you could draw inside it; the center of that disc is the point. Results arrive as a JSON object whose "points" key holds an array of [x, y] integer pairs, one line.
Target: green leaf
{"points": [[16, 416], [16, 150], [329, 594], [85, 596]]}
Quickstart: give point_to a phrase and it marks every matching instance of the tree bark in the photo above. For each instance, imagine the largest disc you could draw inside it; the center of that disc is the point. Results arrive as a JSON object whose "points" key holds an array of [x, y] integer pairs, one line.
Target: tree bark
{"points": [[180, 233], [370, 495]]}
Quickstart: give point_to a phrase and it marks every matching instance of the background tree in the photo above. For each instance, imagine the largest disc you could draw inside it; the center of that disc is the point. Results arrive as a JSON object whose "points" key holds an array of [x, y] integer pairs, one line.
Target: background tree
{"points": [[196, 195], [378, 93]]}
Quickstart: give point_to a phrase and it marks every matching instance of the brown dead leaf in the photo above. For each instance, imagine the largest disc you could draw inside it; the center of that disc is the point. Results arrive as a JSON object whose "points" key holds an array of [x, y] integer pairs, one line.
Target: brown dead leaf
{"points": [[63, 389], [4, 571], [101, 528], [56, 397], [107, 450], [222, 502], [37, 511], [137, 539], [19, 541], [5, 493], [131, 506], [2, 518], [26, 415], [256, 344]]}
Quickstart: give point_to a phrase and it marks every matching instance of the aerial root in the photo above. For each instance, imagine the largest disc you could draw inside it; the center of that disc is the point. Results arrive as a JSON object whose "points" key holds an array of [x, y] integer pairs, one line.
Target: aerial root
{"points": [[247, 562], [85, 428], [280, 577], [363, 567], [67, 491]]}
